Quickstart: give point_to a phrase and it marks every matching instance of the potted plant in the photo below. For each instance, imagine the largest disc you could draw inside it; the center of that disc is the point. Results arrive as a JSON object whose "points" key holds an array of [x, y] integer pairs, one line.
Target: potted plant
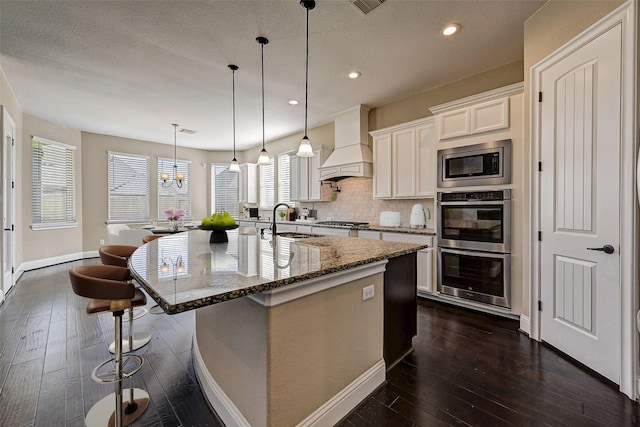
{"points": [[281, 214]]}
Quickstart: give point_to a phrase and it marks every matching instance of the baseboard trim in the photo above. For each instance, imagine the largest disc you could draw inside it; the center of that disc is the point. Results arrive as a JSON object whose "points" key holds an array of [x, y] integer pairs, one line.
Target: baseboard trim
{"points": [[48, 262], [525, 324], [328, 414]]}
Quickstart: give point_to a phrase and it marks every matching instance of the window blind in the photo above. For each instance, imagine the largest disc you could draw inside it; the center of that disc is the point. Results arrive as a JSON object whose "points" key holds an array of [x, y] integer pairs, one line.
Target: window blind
{"points": [[53, 186], [172, 197], [128, 187], [224, 190], [284, 179], [267, 185]]}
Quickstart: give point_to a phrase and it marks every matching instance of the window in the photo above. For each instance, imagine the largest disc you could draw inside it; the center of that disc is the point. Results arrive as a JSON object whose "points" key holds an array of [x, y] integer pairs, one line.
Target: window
{"points": [[128, 176], [224, 190], [284, 179], [53, 188], [267, 185], [172, 197]]}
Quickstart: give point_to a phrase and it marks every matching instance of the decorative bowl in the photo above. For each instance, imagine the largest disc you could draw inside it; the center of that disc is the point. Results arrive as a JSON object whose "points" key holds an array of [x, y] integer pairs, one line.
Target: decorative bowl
{"points": [[219, 233]]}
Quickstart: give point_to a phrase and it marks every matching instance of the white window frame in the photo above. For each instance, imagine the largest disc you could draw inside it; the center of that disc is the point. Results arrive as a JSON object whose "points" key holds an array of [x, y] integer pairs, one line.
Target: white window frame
{"points": [[61, 170], [182, 194], [144, 187], [235, 212]]}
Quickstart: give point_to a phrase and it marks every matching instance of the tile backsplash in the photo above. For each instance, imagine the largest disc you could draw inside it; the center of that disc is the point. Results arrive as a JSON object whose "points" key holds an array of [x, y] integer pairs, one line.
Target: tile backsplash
{"points": [[355, 202]]}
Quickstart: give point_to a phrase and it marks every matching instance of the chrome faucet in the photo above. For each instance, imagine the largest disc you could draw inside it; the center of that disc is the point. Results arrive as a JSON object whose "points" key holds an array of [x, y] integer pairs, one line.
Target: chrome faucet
{"points": [[273, 224]]}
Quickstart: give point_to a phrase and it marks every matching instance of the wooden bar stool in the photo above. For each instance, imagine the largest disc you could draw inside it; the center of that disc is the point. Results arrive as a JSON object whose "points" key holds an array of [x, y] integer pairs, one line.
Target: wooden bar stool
{"points": [[119, 255], [111, 291]]}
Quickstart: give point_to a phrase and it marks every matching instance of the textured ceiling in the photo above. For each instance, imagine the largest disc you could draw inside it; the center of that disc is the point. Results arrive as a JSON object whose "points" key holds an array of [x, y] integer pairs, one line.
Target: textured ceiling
{"points": [[131, 68]]}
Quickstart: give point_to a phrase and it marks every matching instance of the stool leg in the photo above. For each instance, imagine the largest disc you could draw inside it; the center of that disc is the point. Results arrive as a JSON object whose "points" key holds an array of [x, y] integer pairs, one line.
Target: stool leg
{"points": [[131, 329], [118, 357]]}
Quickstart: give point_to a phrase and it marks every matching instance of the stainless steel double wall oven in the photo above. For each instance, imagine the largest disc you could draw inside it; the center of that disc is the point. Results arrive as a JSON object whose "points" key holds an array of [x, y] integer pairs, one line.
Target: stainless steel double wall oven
{"points": [[474, 241]]}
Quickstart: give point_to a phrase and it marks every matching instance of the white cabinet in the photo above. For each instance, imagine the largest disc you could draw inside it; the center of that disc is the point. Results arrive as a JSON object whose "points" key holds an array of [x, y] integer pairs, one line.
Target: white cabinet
{"points": [[474, 119], [368, 234], [305, 184], [404, 160], [330, 231], [425, 258], [285, 227], [248, 183]]}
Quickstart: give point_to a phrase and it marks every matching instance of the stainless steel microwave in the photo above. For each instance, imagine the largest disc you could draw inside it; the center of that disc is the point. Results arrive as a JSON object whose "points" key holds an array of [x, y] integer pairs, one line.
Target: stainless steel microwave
{"points": [[488, 163]]}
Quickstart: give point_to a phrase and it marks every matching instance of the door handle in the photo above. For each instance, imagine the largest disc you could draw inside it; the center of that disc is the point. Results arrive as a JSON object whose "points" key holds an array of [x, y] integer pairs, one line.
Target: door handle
{"points": [[607, 249]]}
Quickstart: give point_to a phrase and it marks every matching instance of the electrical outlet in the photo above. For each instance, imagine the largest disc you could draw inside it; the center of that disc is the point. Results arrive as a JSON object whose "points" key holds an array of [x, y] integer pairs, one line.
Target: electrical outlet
{"points": [[368, 292], [101, 242]]}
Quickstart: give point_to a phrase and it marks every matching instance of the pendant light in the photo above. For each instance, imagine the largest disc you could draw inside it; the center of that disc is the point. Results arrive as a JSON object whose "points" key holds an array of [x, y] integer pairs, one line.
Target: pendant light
{"points": [[305, 149], [263, 159], [177, 177], [234, 166]]}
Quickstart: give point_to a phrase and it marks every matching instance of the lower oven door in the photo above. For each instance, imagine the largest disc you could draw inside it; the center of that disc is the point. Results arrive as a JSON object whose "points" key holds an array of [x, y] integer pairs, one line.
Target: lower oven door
{"points": [[478, 276]]}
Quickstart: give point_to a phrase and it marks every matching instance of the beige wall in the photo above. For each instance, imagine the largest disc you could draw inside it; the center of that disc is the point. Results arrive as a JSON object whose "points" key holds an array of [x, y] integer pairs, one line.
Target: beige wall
{"points": [[553, 25], [94, 179]]}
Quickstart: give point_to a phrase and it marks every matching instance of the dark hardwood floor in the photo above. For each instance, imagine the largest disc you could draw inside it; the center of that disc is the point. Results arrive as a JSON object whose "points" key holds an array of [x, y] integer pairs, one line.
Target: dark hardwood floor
{"points": [[468, 368]]}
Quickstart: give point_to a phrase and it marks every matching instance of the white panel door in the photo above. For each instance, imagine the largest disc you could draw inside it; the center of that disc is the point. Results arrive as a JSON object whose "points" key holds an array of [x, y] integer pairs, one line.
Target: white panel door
{"points": [[8, 203], [579, 190]]}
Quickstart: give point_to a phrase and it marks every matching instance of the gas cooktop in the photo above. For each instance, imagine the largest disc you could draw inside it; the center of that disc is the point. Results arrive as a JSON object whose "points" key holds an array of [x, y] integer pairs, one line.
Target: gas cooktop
{"points": [[343, 223]]}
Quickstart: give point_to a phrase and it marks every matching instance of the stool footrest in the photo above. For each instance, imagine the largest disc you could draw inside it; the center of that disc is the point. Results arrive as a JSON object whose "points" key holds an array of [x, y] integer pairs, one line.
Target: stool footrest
{"points": [[103, 412], [109, 376]]}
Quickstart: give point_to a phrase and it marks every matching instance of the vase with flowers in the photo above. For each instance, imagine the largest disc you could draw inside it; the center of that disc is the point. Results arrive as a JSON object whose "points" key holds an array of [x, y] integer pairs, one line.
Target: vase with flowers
{"points": [[173, 216]]}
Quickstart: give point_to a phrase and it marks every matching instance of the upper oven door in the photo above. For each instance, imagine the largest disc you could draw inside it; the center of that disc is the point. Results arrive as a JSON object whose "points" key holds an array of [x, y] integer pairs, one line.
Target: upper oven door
{"points": [[479, 225]]}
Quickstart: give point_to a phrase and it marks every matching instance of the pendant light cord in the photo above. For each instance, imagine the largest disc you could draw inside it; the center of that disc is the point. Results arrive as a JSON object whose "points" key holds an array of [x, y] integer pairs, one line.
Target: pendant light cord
{"points": [[306, 79], [233, 89], [262, 58], [175, 150]]}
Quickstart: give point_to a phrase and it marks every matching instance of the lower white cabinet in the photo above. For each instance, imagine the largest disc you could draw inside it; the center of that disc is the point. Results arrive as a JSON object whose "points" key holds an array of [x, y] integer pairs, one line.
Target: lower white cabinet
{"points": [[280, 227], [331, 231], [425, 257]]}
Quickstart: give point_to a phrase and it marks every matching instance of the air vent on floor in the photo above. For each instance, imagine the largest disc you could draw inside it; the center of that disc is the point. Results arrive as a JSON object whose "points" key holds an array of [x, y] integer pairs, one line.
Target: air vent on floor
{"points": [[366, 6], [189, 131]]}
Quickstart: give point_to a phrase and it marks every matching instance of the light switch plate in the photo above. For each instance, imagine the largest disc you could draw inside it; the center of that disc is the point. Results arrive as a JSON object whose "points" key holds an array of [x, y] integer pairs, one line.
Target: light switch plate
{"points": [[368, 292]]}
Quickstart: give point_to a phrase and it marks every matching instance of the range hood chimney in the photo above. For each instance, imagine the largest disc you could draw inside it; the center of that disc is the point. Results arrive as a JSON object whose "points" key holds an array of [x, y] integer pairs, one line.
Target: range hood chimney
{"points": [[351, 156]]}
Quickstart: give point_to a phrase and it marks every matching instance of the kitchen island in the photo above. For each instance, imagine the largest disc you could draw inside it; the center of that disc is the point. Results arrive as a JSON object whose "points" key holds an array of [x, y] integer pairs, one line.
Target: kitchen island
{"points": [[299, 338]]}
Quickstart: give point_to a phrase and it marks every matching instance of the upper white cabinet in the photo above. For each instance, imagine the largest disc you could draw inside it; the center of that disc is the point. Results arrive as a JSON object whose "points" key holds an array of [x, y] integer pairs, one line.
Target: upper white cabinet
{"points": [[248, 183], [485, 112], [305, 183], [404, 160]]}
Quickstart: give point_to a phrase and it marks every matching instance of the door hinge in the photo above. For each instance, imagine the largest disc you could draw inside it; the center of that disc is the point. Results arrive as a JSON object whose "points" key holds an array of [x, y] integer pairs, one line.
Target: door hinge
{"points": [[539, 305], [12, 229], [539, 166], [12, 270], [539, 96], [13, 185], [539, 236]]}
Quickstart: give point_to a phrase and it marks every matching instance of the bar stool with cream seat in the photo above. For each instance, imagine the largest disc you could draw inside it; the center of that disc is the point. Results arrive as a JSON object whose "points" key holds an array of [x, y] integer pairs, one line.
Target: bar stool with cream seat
{"points": [[111, 291], [118, 255]]}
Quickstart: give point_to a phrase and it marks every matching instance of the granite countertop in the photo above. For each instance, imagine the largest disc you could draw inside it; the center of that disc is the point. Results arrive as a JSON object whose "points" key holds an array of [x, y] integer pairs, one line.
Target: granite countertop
{"points": [[184, 271], [372, 227]]}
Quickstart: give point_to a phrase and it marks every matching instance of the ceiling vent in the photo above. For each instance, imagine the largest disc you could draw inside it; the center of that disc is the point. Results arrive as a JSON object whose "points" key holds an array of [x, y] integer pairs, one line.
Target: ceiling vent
{"points": [[189, 131], [366, 6]]}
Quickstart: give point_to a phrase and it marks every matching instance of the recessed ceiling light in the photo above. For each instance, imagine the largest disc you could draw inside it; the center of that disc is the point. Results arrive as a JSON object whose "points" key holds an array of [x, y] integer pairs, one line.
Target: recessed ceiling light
{"points": [[293, 102], [450, 29], [354, 74]]}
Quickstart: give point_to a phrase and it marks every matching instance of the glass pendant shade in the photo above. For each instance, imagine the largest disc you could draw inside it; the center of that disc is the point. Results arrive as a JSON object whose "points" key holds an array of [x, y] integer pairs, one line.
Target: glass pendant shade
{"points": [[305, 149], [264, 158], [234, 166]]}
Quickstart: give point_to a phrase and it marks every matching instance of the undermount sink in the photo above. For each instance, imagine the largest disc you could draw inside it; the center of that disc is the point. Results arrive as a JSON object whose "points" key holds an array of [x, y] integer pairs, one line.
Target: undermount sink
{"points": [[295, 235]]}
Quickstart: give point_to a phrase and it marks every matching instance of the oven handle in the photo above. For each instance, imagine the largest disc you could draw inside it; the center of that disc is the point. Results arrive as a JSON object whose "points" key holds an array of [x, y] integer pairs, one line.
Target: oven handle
{"points": [[476, 202], [474, 253]]}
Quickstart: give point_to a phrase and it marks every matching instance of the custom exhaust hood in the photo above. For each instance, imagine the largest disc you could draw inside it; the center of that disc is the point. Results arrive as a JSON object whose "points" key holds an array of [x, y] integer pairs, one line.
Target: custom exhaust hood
{"points": [[351, 156]]}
